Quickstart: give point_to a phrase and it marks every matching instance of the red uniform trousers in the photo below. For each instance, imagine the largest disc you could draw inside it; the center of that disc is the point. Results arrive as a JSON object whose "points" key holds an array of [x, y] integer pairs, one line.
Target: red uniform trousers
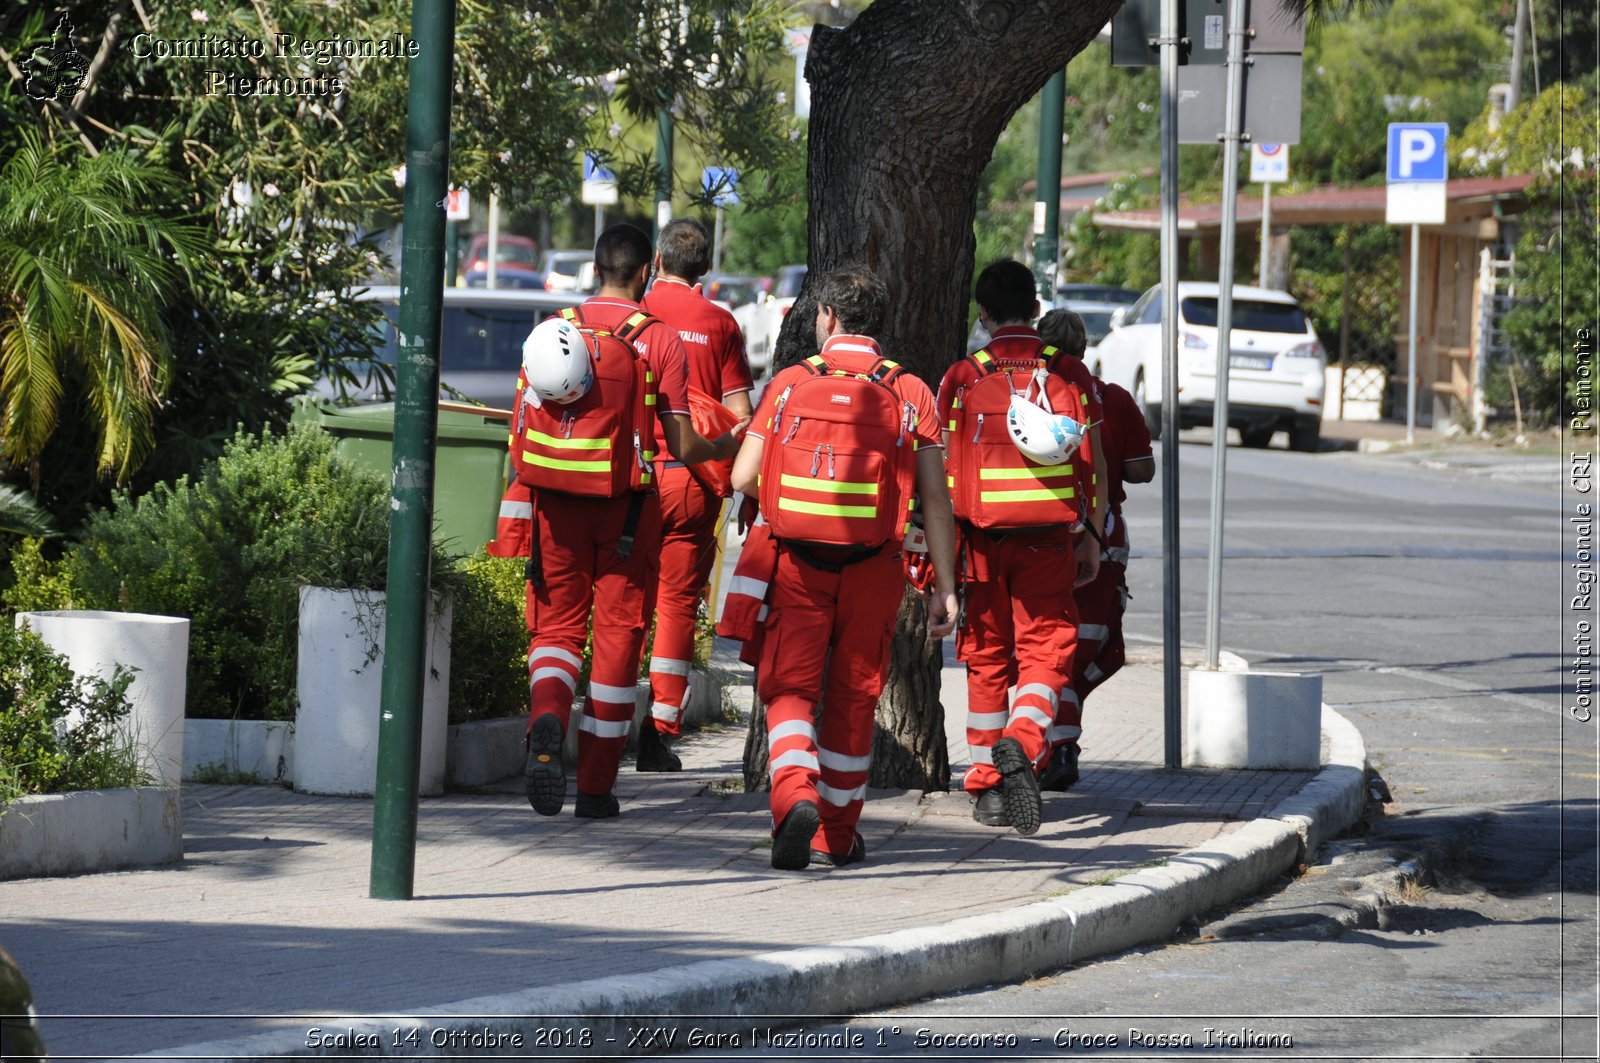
{"points": [[840, 623], [688, 548], [1100, 652], [576, 542], [1020, 630]]}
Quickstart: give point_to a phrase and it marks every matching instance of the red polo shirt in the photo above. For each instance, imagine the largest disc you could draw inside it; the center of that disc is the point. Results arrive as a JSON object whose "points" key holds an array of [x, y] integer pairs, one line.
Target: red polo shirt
{"points": [[711, 337]]}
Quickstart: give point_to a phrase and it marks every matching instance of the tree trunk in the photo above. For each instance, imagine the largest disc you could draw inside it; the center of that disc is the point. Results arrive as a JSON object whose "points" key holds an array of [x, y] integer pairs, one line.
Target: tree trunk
{"points": [[906, 107]]}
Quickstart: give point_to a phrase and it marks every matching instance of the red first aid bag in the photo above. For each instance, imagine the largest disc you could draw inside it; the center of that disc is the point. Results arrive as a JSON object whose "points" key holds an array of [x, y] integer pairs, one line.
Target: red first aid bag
{"points": [[712, 419], [839, 464], [603, 444], [992, 483]]}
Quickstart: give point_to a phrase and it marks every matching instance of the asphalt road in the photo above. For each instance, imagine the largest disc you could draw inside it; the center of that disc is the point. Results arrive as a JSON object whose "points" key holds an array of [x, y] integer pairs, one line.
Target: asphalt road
{"points": [[1431, 593]]}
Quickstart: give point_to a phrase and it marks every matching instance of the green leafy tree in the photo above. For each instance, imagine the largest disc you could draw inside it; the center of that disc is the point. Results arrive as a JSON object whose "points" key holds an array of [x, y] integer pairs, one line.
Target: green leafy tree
{"points": [[84, 271]]}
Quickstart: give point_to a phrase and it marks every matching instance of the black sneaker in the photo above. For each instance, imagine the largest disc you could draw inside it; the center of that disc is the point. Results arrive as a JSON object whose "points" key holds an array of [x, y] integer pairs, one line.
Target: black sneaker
{"points": [[595, 806], [546, 779], [791, 846], [653, 752], [1061, 771], [1019, 790], [990, 809], [857, 853]]}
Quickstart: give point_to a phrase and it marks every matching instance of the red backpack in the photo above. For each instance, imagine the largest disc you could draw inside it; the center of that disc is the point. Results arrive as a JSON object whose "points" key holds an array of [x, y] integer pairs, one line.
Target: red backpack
{"points": [[992, 483], [839, 466], [602, 445]]}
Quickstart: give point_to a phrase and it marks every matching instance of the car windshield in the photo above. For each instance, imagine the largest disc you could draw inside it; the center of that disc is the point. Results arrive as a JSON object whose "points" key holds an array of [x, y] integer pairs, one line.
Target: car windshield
{"points": [[732, 292], [473, 338], [1096, 324], [789, 282], [515, 253], [1097, 293], [1249, 315]]}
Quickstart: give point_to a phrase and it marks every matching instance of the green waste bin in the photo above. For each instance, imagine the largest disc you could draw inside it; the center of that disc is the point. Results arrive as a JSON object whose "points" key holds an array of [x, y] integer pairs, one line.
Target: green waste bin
{"points": [[472, 467]]}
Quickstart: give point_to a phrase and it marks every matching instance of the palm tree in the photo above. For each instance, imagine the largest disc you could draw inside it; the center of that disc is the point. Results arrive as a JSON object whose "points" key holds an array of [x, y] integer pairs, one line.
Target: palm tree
{"points": [[86, 265]]}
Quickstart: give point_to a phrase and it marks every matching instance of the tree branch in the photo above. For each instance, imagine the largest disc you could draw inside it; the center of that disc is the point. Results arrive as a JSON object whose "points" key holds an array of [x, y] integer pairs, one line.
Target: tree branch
{"points": [[108, 41], [51, 104]]}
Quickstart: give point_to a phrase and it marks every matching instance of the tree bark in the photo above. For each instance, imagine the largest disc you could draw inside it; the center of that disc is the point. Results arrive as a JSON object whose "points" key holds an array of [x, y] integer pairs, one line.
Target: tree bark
{"points": [[907, 104]]}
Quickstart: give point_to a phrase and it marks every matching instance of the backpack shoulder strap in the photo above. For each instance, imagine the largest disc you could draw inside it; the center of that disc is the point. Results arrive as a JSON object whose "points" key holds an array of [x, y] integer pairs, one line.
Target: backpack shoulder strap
{"points": [[636, 323], [570, 313], [982, 361], [884, 371], [816, 365]]}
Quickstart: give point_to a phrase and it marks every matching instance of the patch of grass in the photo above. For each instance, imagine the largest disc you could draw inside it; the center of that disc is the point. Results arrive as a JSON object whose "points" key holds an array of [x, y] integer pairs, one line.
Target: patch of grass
{"points": [[222, 775]]}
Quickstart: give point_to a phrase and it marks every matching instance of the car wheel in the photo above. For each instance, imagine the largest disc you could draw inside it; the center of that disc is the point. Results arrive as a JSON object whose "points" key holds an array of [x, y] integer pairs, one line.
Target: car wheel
{"points": [[1152, 414], [1306, 435], [1256, 437]]}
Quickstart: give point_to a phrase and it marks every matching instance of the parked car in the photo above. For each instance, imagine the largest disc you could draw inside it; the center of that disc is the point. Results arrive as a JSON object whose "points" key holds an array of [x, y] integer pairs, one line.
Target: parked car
{"points": [[1096, 323], [516, 262], [19, 1025], [734, 292], [569, 271], [1096, 293], [762, 319], [480, 343], [1276, 362]]}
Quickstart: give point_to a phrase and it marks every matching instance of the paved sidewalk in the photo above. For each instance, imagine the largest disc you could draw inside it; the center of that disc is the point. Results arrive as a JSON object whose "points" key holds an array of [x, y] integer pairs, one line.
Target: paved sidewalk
{"points": [[265, 931]]}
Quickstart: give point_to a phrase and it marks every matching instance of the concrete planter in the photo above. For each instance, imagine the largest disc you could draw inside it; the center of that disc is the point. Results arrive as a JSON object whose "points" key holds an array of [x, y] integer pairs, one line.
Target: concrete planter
{"points": [[263, 748], [90, 830], [1254, 720], [156, 648], [340, 687]]}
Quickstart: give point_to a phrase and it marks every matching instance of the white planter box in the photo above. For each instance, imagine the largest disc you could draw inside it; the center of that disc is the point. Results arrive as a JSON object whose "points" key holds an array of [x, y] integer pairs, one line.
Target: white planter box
{"points": [[340, 679], [263, 748], [90, 830], [1254, 720], [156, 648]]}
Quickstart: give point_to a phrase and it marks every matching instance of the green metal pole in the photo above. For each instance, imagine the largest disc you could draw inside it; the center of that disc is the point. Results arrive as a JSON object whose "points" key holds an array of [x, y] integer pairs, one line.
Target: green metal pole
{"points": [[663, 166], [1047, 200], [416, 422]]}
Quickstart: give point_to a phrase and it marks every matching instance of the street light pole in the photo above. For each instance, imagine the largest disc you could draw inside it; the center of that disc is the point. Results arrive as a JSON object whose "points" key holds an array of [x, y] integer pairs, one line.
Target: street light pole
{"points": [[1171, 607], [1047, 197], [416, 421], [663, 166]]}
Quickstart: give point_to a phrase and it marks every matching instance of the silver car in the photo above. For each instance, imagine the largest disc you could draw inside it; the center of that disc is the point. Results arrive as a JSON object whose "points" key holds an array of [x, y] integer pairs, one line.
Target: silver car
{"points": [[480, 342]]}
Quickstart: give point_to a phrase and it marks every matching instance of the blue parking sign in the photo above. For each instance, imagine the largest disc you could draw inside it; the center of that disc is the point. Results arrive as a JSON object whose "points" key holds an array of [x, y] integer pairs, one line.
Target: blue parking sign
{"points": [[1417, 152]]}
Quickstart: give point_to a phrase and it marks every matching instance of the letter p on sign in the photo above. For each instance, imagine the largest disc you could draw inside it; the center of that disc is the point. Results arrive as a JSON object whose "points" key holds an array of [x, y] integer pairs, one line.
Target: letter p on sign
{"points": [[1417, 151]]}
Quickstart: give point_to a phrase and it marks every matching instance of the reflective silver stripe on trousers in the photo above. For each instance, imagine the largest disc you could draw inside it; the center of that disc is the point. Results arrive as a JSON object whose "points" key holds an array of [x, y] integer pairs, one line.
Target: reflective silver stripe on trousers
{"points": [[790, 730], [668, 666], [611, 695], [662, 711], [980, 754], [554, 673], [556, 652], [839, 798], [604, 728], [1119, 554], [987, 721], [1064, 734], [1069, 696], [795, 758], [1093, 632], [1093, 673], [839, 762], [1038, 690], [1031, 712]]}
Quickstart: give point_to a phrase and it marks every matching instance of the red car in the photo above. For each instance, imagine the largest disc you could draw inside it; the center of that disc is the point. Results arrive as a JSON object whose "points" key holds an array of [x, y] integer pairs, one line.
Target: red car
{"points": [[515, 255]]}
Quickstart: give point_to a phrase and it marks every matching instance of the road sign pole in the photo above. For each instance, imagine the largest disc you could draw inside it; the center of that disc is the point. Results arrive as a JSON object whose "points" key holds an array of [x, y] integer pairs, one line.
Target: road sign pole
{"points": [[1411, 340], [1266, 232], [494, 240], [716, 243], [416, 422], [1047, 198], [1171, 602], [663, 166], [1231, 137]]}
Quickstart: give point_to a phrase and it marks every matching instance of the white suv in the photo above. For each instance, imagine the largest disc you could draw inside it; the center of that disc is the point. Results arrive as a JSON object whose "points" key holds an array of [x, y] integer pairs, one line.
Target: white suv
{"points": [[1276, 374]]}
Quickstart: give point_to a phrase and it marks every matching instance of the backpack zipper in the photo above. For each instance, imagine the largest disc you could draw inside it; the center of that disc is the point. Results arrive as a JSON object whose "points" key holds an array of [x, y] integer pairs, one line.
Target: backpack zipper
{"points": [[816, 459], [794, 426], [979, 431], [830, 459]]}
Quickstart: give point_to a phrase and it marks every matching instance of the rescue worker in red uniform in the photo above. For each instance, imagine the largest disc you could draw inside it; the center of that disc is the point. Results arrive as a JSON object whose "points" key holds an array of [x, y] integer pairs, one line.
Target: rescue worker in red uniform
{"points": [[1020, 627], [690, 503], [833, 608], [1101, 603], [603, 554]]}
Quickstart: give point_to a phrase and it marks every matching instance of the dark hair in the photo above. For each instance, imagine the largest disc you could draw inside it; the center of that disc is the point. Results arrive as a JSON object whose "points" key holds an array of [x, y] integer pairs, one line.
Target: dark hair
{"points": [[619, 253], [857, 296], [685, 248], [1005, 291], [1064, 329]]}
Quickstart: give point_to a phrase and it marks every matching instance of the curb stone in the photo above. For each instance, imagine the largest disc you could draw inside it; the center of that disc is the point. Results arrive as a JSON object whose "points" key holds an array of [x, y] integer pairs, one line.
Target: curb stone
{"points": [[1144, 907]]}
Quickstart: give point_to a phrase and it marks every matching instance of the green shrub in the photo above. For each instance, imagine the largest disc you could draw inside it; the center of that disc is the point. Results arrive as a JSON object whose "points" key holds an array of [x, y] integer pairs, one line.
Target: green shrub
{"points": [[231, 551], [39, 696], [488, 640]]}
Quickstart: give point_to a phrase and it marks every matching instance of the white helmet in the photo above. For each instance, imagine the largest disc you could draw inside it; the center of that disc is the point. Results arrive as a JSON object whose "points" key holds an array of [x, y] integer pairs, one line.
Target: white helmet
{"points": [[558, 362], [1048, 438]]}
